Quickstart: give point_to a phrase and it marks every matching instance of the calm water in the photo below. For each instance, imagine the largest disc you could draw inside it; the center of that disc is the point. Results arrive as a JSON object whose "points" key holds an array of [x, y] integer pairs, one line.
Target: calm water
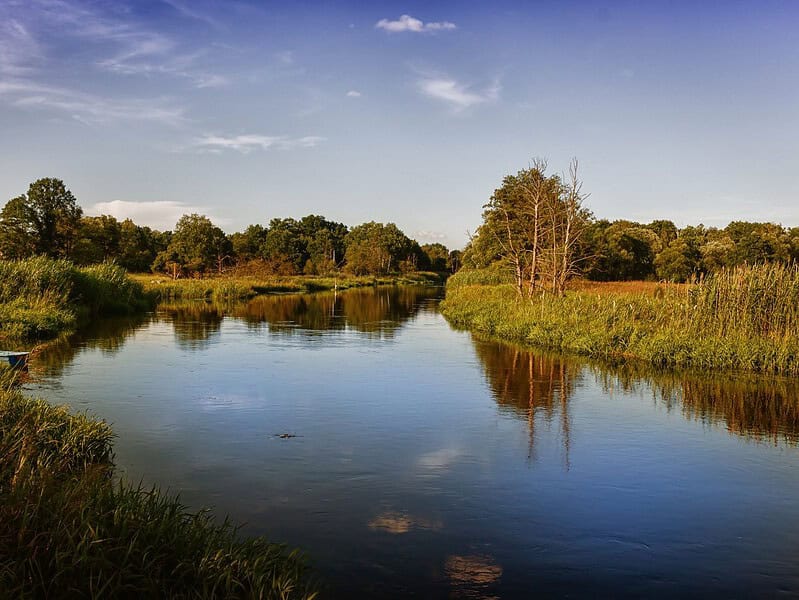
{"points": [[429, 462]]}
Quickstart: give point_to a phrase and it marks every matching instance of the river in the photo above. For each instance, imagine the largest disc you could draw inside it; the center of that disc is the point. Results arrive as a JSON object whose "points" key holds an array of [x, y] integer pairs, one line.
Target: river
{"points": [[408, 458]]}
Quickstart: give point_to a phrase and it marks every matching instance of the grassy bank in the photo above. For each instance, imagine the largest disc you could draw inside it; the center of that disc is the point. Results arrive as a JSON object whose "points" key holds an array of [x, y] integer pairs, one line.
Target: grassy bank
{"points": [[41, 297], [743, 319], [68, 528], [234, 286]]}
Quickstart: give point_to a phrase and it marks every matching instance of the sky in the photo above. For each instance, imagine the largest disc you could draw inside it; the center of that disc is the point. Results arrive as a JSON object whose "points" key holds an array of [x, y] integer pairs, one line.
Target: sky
{"points": [[405, 112]]}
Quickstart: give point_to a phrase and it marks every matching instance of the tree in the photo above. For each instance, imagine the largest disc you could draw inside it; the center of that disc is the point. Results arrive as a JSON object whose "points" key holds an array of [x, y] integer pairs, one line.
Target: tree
{"points": [[538, 224], [197, 245], [622, 250], [283, 247], [437, 256], [46, 221], [324, 244], [247, 244], [376, 249], [97, 240], [18, 237]]}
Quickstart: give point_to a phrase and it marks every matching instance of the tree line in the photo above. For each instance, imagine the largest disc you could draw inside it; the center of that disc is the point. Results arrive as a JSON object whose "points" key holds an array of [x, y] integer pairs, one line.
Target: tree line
{"points": [[49, 221], [536, 225]]}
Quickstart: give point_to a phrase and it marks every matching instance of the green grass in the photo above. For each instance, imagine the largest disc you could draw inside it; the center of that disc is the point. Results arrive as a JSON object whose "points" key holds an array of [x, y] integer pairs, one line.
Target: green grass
{"points": [[69, 529], [742, 319], [227, 287], [42, 297]]}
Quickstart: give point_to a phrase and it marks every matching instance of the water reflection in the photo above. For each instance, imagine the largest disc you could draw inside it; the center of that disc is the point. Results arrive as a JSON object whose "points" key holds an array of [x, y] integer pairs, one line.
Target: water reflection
{"points": [[377, 312], [106, 335], [398, 523], [762, 408], [473, 576], [531, 383], [195, 323]]}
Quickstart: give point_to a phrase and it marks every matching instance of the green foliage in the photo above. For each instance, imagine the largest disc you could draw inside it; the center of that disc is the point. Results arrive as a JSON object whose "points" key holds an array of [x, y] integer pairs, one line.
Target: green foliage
{"points": [[377, 248], [746, 318], [66, 526], [40, 297], [45, 221], [196, 246]]}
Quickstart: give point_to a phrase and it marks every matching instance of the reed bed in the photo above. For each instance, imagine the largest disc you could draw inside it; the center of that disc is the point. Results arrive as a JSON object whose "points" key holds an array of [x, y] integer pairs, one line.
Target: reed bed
{"points": [[232, 286], [41, 297], [69, 529], [742, 319]]}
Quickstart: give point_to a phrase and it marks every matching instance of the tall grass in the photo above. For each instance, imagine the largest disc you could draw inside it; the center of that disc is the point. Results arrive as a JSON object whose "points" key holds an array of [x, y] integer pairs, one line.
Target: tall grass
{"points": [[67, 529], [231, 287], [745, 319], [41, 297]]}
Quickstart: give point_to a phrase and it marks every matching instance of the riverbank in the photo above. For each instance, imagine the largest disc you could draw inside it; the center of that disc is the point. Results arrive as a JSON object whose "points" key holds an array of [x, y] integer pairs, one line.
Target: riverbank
{"points": [[237, 286], [742, 319], [41, 298], [68, 523]]}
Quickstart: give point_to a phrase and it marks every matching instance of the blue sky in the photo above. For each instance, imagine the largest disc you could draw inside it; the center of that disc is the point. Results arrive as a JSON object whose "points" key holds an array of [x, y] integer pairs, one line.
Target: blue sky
{"points": [[408, 112]]}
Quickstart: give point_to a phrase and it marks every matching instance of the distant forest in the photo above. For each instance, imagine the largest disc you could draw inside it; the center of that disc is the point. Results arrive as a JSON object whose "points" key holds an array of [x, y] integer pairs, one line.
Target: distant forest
{"points": [[49, 221]]}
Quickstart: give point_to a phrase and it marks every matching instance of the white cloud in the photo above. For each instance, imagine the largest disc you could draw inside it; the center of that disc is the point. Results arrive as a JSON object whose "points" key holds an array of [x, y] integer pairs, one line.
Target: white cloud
{"points": [[412, 24], [353, 94], [160, 215], [248, 142], [455, 94], [87, 108], [430, 236]]}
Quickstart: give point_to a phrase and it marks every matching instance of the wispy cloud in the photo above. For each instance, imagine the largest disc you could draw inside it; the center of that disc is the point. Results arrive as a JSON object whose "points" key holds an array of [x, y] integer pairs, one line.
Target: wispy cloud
{"points": [[162, 214], [455, 94], [18, 48], [129, 48], [354, 94], [414, 25], [248, 142], [85, 107], [191, 13]]}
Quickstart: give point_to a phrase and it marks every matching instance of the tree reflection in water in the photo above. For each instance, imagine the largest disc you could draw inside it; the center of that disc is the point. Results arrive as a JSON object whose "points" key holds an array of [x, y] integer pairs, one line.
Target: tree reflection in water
{"points": [[760, 408], [378, 312], [107, 335], [531, 383]]}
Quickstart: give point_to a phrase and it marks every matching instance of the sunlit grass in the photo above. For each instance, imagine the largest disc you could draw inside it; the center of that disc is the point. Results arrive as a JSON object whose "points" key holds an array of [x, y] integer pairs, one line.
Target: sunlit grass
{"points": [[746, 318], [41, 297], [232, 286]]}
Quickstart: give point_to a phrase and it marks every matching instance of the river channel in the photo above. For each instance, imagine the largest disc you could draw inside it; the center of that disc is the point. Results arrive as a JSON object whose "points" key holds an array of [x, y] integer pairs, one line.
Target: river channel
{"points": [[409, 458]]}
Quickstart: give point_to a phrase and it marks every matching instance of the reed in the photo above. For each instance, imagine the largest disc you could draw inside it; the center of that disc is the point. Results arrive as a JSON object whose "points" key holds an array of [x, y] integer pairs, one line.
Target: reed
{"points": [[68, 528], [232, 286], [41, 297], [742, 319]]}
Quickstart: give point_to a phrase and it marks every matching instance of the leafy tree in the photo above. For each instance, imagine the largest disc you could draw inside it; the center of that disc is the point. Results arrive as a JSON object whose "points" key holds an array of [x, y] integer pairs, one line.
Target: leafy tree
{"points": [[623, 250], [324, 243], [677, 262], [139, 246], [196, 246], [247, 244], [283, 247], [46, 221], [437, 257], [376, 249], [18, 236], [666, 230], [97, 240]]}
